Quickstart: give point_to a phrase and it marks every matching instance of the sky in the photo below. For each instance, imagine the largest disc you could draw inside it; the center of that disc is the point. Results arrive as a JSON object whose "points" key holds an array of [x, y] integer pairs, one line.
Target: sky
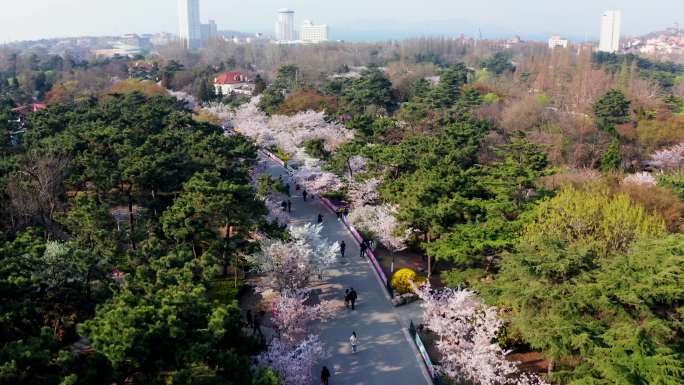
{"points": [[348, 19]]}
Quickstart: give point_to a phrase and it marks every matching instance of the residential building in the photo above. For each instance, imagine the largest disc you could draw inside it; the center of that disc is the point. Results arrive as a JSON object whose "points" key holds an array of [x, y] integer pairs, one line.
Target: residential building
{"points": [[556, 41], [233, 82], [610, 31], [312, 33], [189, 23], [285, 26]]}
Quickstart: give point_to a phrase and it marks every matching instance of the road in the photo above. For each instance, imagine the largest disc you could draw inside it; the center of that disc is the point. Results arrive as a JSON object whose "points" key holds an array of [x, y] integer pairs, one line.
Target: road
{"points": [[385, 354]]}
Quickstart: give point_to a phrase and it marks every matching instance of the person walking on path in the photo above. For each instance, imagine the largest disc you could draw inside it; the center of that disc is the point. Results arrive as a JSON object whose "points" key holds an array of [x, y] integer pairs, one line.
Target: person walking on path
{"points": [[353, 340], [289, 206], [352, 297], [363, 248], [287, 189], [343, 247], [283, 205], [346, 298], [320, 218], [250, 320], [325, 376], [304, 194], [256, 326]]}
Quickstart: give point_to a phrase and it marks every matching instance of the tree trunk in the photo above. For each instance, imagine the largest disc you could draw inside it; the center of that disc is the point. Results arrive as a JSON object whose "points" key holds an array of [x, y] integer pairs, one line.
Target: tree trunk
{"points": [[549, 370], [429, 259], [351, 173], [130, 216]]}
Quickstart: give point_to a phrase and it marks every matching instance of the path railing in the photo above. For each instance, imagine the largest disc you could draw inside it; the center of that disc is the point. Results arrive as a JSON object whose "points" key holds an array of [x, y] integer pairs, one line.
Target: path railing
{"points": [[424, 354]]}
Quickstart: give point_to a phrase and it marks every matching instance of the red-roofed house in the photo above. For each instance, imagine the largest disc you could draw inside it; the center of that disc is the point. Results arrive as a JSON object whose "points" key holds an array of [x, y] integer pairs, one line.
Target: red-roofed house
{"points": [[233, 82], [34, 107]]}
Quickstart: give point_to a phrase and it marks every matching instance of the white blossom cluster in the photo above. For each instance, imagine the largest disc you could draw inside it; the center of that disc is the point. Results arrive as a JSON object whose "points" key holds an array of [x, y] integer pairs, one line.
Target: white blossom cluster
{"points": [[466, 329], [640, 179], [293, 352], [668, 159], [288, 133], [382, 224]]}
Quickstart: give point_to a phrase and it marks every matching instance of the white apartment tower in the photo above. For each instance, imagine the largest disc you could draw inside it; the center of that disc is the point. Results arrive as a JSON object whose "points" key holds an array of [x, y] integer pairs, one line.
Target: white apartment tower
{"points": [[610, 31], [312, 33], [189, 22], [285, 26]]}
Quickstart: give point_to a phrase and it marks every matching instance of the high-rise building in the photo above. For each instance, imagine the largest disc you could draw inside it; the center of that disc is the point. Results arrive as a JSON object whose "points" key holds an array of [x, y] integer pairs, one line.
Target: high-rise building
{"points": [[312, 33], [189, 22], [285, 26], [209, 31], [610, 31]]}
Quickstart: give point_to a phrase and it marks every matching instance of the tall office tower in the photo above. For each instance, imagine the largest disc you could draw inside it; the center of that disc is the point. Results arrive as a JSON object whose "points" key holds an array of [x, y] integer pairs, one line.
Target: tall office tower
{"points": [[312, 33], [610, 31], [189, 22], [285, 26]]}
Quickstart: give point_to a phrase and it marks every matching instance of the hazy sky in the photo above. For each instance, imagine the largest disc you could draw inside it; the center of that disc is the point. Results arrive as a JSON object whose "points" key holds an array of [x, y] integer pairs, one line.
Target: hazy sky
{"points": [[348, 19]]}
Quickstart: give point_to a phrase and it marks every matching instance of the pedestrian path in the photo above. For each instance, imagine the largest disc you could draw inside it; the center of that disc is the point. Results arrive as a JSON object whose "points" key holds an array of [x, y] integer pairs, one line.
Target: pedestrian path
{"points": [[385, 354]]}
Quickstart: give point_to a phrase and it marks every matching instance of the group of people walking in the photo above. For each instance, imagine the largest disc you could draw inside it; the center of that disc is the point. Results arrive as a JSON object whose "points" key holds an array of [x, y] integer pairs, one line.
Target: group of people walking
{"points": [[350, 295]]}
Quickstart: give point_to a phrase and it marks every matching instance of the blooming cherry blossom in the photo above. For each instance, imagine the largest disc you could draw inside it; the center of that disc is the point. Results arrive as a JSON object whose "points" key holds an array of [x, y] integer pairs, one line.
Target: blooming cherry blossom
{"points": [[669, 158], [294, 363], [381, 222], [292, 265], [292, 315], [466, 329]]}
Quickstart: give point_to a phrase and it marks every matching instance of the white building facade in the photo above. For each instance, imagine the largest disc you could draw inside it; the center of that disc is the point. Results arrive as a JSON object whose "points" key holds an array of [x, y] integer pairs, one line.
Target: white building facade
{"points": [[610, 31], [189, 23], [285, 25], [312, 33], [557, 42]]}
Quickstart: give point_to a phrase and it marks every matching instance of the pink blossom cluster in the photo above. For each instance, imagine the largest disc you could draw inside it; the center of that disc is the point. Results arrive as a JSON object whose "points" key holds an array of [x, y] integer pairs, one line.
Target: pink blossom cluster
{"points": [[293, 351], [640, 179], [669, 158], [466, 329], [364, 193], [317, 181], [292, 265], [292, 314], [288, 133], [293, 363], [381, 223]]}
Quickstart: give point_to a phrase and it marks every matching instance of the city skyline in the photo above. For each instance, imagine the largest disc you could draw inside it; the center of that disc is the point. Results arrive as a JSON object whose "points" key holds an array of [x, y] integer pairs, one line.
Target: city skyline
{"points": [[381, 19]]}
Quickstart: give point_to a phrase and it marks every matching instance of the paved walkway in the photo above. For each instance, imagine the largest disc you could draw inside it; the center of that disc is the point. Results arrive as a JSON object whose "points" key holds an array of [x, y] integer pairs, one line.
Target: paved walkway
{"points": [[385, 354]]}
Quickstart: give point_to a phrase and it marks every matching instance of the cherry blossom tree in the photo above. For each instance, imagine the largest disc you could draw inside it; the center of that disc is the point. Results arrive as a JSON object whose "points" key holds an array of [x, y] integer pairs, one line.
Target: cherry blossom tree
{"points": [[381, 222], [364, 193], [292, 314], [466, 329], [292, 265], [288, 132], [669, 158], [294, 363], [641, 179], [317, 181]]}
